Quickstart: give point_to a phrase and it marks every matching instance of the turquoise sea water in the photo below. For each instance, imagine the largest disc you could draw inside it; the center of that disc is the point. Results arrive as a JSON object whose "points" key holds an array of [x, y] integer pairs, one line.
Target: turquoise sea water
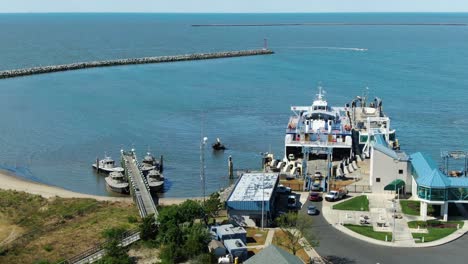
{"points": [[55, 125]]}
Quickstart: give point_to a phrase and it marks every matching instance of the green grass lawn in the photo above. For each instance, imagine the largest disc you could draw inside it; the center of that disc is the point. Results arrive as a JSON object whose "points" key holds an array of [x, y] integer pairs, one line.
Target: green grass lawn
{"points": [[413, 207], [57, 228], [369, 232], [359, 203], [436, 229]]}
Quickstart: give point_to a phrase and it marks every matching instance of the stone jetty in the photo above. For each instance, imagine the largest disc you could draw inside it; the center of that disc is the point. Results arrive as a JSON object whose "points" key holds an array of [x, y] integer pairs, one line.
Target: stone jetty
{"points": [[328, 24], [144, 60]]}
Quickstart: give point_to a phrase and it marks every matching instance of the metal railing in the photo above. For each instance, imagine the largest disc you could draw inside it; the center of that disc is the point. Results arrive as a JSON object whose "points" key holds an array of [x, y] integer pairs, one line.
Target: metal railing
{"points": [[96, 252], [135, 191], [353, 188]]}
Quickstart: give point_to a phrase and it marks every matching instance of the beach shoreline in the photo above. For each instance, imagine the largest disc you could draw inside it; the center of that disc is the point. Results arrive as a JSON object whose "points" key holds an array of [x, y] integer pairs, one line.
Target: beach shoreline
{"points": [[11, 181]]}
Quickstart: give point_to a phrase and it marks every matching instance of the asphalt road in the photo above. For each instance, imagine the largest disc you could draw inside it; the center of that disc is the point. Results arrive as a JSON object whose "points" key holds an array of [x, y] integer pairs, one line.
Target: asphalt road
{"points": [[341, 248]]}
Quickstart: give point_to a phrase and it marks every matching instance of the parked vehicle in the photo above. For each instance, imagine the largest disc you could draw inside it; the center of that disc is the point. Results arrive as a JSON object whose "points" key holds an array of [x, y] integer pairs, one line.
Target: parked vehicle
{"points": [[315, 186], [336, 195], [292, 203], [315, 196], [283, 189], [311, 210]]}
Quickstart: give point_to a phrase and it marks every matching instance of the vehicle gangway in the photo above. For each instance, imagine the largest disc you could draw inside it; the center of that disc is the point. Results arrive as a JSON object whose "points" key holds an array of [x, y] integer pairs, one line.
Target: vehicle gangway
{"points": [[139, 187]]}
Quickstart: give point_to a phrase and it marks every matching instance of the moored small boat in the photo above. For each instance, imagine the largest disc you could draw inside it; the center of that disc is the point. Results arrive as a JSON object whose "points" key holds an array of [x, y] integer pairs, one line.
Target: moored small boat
{"points": [[150, 163], [116, 182], [218, 145], [106, 165], [155, 180]]}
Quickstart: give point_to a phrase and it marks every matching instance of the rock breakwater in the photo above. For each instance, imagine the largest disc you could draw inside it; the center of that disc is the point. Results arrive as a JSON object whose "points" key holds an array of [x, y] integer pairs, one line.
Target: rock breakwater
{"points": [[117, 62]]}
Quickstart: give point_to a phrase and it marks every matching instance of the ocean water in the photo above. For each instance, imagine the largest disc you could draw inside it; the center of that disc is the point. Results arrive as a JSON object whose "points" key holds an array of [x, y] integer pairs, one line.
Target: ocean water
{"points": [[53, 126]]}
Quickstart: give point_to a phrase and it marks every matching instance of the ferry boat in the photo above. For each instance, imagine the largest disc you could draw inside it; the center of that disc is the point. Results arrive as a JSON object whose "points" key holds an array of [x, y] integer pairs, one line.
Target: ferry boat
{"points": [[106, 165], [155, 180], [318, 129], [116, 182]]}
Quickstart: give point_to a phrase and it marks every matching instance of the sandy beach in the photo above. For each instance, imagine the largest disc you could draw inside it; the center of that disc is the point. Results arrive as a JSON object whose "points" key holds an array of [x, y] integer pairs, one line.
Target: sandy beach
{"points": [[10, 181]]}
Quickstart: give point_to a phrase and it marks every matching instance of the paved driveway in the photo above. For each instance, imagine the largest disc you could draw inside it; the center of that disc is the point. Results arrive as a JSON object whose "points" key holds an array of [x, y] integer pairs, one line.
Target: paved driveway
{"points": [[346, 249]]}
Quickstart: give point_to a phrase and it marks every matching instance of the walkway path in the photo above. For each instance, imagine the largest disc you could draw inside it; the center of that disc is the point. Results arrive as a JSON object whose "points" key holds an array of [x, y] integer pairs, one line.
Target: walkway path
{"points": [[339, 247], [381, 218], [140, 188]]}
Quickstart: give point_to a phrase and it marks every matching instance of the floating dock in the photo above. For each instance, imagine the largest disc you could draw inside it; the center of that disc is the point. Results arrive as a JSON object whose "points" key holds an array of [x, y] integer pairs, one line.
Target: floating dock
{"points": [[144, 60]]}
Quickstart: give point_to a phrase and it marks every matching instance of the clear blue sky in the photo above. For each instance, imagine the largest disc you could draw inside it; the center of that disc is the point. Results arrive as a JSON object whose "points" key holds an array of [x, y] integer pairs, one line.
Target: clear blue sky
{"points": [[233, 6]]}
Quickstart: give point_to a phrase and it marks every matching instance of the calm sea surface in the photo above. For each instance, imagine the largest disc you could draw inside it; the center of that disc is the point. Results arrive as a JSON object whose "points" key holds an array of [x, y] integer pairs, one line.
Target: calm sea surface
{"points": [[53, 126]]}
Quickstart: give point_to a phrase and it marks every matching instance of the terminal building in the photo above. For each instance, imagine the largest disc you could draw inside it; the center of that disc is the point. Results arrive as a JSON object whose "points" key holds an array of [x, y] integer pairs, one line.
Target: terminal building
{"points": [[388, 168], [435, 186], [253, 197], [393, 171]]}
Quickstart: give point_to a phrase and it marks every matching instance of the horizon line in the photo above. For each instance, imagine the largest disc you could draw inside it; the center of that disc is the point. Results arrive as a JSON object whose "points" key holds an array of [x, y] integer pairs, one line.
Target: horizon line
{"points": [[284, 12]]}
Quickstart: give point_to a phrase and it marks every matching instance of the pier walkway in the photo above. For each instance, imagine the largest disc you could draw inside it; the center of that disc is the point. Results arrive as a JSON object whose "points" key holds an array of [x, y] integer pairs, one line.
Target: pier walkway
{"points": [[139, 187]]}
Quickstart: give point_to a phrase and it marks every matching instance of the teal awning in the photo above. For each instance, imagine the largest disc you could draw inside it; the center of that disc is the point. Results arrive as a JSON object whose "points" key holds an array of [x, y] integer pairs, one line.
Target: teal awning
{"points": [[395, 185]]}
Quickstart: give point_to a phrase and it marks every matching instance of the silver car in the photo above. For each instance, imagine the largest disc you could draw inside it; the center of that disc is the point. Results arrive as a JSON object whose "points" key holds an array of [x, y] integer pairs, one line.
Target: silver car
{"points": [[311, 210]]}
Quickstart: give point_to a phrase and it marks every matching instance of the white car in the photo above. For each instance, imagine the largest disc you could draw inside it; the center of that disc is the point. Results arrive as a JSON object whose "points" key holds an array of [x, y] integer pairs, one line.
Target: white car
{"points": [[283, 189]]}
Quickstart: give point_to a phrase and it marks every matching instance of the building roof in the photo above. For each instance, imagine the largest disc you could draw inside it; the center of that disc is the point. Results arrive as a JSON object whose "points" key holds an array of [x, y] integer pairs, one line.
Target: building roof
{"points": [[254, 187], [387, 151], [381, 145], [232, 244], [214, 244], [429, 175], [274, 254], [229, 230], [435, 180], [422, 164], [461, 182]]}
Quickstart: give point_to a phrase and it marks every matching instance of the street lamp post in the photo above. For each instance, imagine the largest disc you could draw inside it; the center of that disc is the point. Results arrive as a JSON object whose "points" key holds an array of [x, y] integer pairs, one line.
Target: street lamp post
{"points": [[202, 166], [394, 200], [263, 199]]}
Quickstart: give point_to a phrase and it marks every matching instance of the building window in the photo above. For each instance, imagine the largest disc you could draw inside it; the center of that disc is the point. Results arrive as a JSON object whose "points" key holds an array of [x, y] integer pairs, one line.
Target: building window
{"points": [[377, 179], [400, 171]]}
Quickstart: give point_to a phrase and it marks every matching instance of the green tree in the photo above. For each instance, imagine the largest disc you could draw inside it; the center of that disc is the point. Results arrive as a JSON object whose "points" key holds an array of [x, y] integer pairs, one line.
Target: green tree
{"points": [[172, 253], [197, 238], [170, 219], [191, 210], [203, 259], [212, 205], [295, 226], [181, 237], [148, 228], [115, 254]]}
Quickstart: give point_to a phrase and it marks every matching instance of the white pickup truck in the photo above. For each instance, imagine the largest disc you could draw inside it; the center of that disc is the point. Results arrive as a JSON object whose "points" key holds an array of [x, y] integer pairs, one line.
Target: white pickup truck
{"points": [[336, 195]]}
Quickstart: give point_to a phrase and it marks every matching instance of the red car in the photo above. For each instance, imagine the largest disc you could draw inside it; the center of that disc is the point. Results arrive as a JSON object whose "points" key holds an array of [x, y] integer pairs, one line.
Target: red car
{"points": [[315, 196]]}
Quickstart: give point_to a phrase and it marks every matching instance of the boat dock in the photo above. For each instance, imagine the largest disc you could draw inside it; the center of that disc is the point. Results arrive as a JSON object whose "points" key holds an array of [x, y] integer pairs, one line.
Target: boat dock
{"points": [[139, 187], [144, 60]]}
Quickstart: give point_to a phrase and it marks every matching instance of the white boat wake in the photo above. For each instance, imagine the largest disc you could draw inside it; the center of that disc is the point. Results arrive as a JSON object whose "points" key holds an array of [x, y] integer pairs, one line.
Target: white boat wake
{"points": [[319, 47]]}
